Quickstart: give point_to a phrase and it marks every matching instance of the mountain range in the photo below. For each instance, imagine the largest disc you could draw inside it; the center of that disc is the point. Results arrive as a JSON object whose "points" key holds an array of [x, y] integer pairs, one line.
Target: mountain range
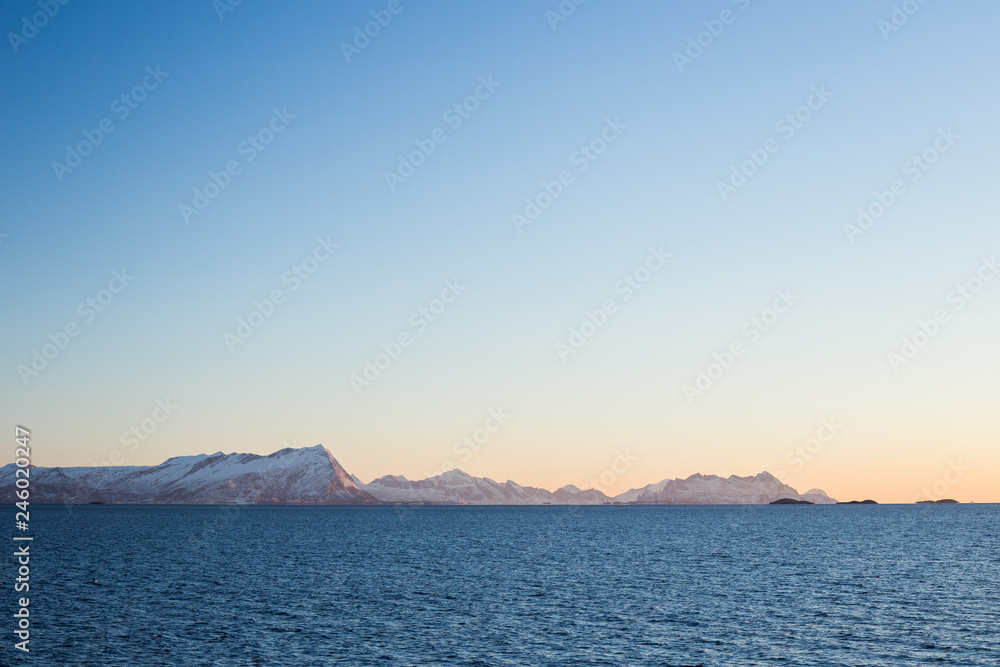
{"points": [[309, 475], [312, 476]]}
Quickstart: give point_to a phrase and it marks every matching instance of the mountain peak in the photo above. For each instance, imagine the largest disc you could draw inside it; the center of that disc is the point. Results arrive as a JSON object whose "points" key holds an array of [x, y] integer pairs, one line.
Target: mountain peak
{"points": [[699, 489], [456, 487], [306, 475], [311, 475], [455, 473]]}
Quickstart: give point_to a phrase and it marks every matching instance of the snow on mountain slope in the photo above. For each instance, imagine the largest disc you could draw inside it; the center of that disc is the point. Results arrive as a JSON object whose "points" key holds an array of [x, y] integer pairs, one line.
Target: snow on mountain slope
{"points": [[817, 496], [309, 475], [458, 488], [632, 495], [713, 490]]}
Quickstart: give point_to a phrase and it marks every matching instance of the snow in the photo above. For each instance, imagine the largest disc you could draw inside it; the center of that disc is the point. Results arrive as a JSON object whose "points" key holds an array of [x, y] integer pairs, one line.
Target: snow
{"points": [[699, 489], [313, 475], [308, 474], [458, 487]]}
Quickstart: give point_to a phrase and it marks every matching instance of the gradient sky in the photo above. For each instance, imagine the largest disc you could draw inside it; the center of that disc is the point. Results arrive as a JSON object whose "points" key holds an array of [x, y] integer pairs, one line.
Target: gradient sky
{"points": [[323, 176]]}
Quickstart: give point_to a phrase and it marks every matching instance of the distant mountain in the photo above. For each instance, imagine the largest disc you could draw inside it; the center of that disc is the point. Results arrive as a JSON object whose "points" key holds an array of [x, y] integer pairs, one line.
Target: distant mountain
{"points": [[309, 475], [458, 488], [818, 496], [713, 490]]}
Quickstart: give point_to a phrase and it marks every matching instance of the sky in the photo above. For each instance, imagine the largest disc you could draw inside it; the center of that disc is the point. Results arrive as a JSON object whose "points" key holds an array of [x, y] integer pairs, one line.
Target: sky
{"points": [[602, 244]]}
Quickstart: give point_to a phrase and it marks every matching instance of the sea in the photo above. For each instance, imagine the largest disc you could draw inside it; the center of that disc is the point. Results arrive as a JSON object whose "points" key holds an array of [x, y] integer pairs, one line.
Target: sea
{"points": [[549, 585]]}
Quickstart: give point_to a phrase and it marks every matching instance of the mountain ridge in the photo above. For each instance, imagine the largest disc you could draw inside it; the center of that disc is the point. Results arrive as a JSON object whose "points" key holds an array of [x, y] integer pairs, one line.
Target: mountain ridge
{"points": [[312, 475], [308, 475]]}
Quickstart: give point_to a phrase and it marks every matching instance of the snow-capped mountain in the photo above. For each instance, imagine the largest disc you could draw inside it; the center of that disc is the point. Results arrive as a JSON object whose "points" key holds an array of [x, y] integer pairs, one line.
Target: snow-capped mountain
{"points": [[309, 475], [458, 488], [713, 490], [817, 496]]}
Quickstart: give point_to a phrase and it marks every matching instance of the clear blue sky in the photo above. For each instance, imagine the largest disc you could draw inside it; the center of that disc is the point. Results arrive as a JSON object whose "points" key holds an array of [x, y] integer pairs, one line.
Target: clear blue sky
{"points": [[552, 90]]}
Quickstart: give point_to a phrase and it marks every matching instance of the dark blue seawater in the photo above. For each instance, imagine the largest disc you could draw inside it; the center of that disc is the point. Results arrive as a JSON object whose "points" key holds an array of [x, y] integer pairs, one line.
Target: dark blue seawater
{"points": [[771, 585]]}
